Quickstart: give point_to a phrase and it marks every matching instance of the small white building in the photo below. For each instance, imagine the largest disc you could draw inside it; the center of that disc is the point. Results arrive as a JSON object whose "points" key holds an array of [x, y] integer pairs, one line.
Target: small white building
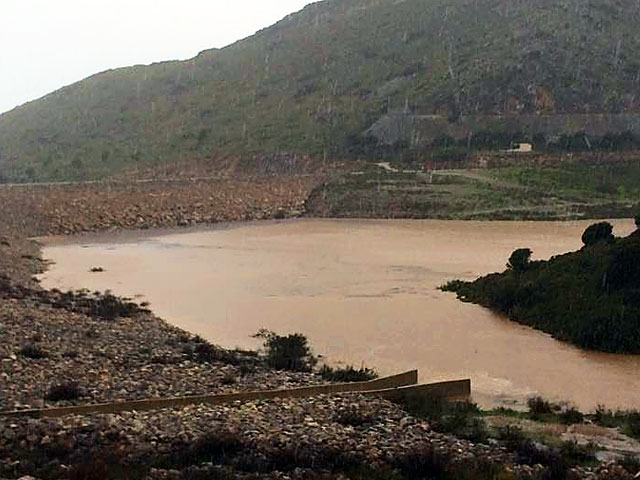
{"points": [[521, 148]]}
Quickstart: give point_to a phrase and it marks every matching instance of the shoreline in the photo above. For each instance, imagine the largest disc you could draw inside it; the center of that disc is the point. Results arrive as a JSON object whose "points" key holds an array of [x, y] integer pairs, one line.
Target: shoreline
{"points": [[130, 235], [221, 271], [297, 439], [24, 443]]}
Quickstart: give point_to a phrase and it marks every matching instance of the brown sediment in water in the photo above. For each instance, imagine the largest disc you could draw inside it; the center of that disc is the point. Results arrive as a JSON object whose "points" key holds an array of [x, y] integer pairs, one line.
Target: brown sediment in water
{"points": [[362, 291]]}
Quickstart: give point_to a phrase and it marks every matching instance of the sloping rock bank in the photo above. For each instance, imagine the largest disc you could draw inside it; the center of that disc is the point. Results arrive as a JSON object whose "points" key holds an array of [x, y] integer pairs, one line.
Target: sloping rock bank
{"points": [[62, 209], [289, 439]]}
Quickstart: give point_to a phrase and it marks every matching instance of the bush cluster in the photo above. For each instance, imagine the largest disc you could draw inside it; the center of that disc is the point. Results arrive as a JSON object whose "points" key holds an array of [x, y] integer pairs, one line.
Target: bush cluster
{"points": [[67, 391], [33, 351], [347, 374], [291, 352], [558, 459], [103, 306], [627, 421], [590, 297], [456, 418]]}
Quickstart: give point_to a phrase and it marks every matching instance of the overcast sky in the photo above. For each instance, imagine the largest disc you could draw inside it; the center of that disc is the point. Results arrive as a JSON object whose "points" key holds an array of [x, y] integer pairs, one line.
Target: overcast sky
{"points": [[47, 44]]}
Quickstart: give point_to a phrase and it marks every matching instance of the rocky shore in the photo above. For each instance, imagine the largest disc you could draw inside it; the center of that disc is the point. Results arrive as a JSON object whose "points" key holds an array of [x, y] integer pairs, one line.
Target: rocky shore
{"points": [[76, 348], [323, 437], [64, 209]]}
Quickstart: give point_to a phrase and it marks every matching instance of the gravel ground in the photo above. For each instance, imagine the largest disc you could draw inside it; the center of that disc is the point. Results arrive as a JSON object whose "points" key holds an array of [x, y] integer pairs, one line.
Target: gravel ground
{"points": [[261, 439], [112, 360]]}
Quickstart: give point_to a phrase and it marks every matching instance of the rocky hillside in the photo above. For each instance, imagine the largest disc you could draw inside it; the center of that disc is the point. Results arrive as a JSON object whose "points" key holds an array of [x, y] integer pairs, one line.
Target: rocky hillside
{"points": [[317, 80]]}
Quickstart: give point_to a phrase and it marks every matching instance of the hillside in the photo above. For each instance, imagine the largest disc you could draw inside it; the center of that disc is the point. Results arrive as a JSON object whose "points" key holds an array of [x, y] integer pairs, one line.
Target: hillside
{"points": [[317, 80], [590, 297]]}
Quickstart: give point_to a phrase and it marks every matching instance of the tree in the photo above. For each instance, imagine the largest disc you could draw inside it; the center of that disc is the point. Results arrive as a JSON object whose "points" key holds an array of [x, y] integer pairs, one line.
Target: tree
{"points": [[287, 353], [598, 232], [624, 268], [519, 260]]}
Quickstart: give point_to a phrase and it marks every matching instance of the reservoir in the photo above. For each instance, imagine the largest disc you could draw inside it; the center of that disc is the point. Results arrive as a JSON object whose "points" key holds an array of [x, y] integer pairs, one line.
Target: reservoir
{"points": [[363, 292]]}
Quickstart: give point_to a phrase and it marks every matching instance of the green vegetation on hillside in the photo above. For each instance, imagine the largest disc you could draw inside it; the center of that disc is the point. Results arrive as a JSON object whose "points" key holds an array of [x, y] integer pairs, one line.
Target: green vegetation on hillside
{"points": [[590, 297], [619, 181], [514, 193], [317, 80]]}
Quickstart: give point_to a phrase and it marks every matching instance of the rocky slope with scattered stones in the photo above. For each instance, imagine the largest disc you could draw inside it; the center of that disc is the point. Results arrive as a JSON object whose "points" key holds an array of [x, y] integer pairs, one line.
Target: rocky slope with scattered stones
{"points": [[298, 438], [63, 209]]}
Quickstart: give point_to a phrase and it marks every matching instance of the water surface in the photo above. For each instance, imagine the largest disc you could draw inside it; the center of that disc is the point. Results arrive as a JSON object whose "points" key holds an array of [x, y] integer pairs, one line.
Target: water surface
{"points": [[364, 292]]}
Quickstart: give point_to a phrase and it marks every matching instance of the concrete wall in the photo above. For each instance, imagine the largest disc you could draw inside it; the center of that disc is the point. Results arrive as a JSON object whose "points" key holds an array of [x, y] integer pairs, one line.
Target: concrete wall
{"points": [[453, 391], [380, 384]]}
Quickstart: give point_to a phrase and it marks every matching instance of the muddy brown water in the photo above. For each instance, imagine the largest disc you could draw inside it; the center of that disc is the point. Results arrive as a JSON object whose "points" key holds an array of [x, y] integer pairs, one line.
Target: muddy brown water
{"points": [[363, 292]]}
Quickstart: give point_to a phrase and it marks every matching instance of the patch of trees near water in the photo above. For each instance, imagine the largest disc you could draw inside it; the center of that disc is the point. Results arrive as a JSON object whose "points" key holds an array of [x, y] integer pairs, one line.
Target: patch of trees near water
{"points": [[590, 297]]}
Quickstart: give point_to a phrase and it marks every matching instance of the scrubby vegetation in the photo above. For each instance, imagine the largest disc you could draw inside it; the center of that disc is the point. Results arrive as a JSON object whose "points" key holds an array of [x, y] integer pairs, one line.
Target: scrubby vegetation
{"points": [[66, 391], [98, 305], [558, 459], [314, 82], [579, 181], [505, 193], [627, 421], [33, 351], [590, 297], [347, 374], [222, 454], [290, 352], [543, 410], [460, 419], [467, 421]]}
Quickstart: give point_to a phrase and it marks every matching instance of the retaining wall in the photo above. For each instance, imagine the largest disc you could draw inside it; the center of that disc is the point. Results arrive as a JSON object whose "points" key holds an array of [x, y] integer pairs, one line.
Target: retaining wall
{"points": [[382, 386], [453, 391]]}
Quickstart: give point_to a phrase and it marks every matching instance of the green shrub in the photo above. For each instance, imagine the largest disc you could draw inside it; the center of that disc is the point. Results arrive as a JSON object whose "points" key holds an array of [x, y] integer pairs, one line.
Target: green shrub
{"points": [[519, 259], [631, 464], [110, 307], [104, 306], [539, 406], [457, 418], [631, 422], [67, 391], [216, 446], [598, 232], [627, 421], [33, 351], [204, 352], [425, 461], [347, 374], [290, 352], [228, 379], [604, 417], [574, 454], [571, 415], [589, 297], [512, 437]]}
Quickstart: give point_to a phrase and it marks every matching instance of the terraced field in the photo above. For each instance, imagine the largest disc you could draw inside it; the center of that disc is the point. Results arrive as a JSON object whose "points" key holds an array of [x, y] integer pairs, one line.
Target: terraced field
{"points": [[519, 193]]}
